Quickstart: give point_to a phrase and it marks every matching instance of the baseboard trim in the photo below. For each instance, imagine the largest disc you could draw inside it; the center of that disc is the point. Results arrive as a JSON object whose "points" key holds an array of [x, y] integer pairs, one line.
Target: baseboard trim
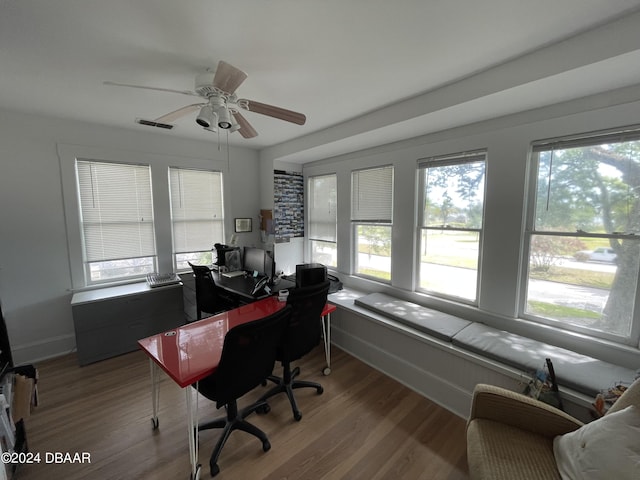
{"points": [[436, 389], [37, 351]]}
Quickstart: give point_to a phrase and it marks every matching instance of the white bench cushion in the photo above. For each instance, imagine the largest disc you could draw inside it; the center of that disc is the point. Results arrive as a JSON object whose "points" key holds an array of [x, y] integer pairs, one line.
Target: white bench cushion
{"points": [[573, 370], [432, 322]]}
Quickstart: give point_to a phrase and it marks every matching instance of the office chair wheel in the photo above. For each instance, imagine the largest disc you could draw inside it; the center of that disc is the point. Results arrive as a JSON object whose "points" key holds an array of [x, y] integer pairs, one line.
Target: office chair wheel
{"points": [[266, 446], [297, 416], [215, 469], [320, 390], [326, 371]]}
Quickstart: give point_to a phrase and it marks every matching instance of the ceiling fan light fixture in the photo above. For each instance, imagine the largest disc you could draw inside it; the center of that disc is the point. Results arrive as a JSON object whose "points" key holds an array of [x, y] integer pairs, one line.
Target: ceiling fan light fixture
{"points": [[206, 116], [224, 118], [234, 128]]}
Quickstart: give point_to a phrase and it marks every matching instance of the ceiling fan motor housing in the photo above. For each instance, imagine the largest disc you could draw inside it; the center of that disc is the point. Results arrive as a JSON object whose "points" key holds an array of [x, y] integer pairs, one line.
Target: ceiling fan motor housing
{"points": [[204, 84]]}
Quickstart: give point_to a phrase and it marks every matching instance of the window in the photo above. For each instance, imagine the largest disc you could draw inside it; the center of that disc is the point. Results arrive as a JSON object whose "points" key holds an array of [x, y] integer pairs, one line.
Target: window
{"points": [[196, 215], [372, 219], [116, 216], [323, 206], [583, 235], [451, 219]]}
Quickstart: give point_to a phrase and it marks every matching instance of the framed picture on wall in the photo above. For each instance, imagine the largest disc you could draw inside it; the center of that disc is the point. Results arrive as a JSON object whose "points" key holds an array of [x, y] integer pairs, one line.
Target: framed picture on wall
{"points": [[243, 225]]}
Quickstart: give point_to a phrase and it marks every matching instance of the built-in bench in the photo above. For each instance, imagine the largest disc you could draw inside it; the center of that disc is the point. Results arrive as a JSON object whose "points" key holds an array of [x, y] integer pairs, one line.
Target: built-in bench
{"points": [[578, 372]]}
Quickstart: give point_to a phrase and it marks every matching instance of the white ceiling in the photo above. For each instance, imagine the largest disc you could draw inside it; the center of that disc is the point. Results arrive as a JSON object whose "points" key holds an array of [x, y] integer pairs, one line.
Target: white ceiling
{"points": [[365, 72]]}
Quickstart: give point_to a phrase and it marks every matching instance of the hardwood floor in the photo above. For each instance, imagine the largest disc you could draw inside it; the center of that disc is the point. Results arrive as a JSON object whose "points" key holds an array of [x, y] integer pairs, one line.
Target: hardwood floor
{"points": [[365, 426]]}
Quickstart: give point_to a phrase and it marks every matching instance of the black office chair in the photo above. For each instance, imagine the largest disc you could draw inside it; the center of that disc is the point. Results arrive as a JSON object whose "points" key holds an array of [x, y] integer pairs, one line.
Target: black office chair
{"points": [[300, 338], [248, 357], [209, 298]]}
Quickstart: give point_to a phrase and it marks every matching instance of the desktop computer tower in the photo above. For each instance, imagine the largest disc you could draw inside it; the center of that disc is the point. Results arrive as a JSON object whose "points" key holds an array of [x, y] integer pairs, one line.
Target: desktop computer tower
{"points": [[310, 274]]}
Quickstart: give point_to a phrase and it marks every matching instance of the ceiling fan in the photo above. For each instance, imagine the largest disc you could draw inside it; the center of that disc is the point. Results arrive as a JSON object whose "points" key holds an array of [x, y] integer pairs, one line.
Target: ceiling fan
{"points": [[221, 108]]}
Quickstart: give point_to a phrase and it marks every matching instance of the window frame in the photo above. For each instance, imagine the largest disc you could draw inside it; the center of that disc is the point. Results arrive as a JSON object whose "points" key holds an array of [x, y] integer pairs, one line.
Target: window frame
{"points": [[173, 222], [529, 230], [443, 161], [382, 222], [310, 238], [151, 240]]}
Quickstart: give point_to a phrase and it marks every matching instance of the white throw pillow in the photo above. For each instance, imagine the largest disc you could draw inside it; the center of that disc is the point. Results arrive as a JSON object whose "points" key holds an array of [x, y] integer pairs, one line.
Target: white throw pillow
{"points": [[607, 448]]}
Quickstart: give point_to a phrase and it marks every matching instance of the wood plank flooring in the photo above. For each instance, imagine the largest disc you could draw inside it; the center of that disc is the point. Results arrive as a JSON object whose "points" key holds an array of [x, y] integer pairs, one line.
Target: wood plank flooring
{"points": [[365, 426]]}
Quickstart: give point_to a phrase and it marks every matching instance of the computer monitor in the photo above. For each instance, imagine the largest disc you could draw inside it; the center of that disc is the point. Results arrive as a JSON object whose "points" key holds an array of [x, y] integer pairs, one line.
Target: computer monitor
{"points": [[269, 265], [255, 260], [310, 274]]}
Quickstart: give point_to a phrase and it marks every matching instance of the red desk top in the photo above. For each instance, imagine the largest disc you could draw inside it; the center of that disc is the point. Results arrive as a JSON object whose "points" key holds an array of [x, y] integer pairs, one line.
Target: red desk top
{"points": [[192, 352], [328, 308]]}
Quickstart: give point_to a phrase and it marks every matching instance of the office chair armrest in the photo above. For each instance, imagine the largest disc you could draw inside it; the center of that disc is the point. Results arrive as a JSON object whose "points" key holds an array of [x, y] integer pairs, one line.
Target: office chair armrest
{"points": [[511, 408]]}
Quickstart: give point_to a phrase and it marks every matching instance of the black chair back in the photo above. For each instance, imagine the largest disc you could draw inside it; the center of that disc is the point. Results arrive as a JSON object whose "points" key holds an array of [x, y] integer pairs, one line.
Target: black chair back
{"points": [[208, 298], [305, 327], [248, 357]]}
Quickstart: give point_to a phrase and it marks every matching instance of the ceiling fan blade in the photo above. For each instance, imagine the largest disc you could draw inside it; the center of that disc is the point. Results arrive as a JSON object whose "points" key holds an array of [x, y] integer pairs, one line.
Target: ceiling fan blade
{"points": [[159, 89], [246, 130], [181, 112], [228, 78], [275, 112]]}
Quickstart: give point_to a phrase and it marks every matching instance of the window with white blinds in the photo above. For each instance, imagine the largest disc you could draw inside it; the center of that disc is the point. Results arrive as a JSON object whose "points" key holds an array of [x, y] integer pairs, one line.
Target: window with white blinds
{"points": [[116, 220], [372, 195], [196, 214], [322, 204], [372, 219]]}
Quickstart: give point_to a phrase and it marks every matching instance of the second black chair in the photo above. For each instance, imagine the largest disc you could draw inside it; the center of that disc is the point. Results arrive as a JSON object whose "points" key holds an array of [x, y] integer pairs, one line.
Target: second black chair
{"points": [[248, 357], [302, 335], [208, 296]]}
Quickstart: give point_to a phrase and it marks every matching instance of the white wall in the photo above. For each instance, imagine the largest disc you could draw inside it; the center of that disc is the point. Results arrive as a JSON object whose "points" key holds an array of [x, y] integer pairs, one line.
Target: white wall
{"points": [[35, 277], [288, 254], [507, 141]]}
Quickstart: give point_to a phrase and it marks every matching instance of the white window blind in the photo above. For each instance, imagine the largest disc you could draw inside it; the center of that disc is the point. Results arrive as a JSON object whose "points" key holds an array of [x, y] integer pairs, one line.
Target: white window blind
{"points": [[116, 210], [196, 209], [372, 195], [322, 201]]}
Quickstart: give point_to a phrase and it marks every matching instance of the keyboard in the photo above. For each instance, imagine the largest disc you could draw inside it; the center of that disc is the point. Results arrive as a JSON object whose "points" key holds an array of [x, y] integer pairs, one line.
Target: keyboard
{"points": [[161, 279]]}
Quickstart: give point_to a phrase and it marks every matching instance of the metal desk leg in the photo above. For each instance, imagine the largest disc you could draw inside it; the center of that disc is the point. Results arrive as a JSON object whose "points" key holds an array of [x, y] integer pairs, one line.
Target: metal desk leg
{"points": [[326, 333], [155, 394], [192, 423]]}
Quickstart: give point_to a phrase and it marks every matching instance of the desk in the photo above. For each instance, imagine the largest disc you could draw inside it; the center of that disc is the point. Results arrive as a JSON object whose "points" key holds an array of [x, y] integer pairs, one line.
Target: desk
{"points": [[186, 357], [241, 286], [183, 354]]}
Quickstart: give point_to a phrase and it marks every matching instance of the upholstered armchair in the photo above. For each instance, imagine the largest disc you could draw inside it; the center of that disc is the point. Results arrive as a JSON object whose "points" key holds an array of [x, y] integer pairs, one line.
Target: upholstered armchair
{"points": [[511, 436]]}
